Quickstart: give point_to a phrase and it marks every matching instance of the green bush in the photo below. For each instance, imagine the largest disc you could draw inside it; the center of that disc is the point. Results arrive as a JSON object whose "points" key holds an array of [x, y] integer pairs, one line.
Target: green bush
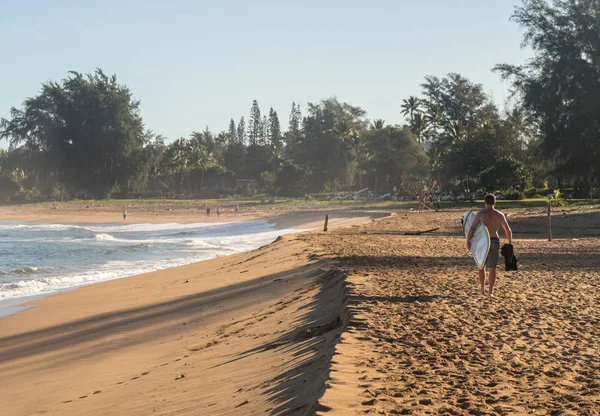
{"points": [[537, 192], [556, 199], [8, 187], [514, 196]]}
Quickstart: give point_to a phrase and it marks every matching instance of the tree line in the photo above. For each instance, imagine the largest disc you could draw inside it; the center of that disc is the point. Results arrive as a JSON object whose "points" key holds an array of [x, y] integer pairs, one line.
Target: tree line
{"points": [[84, 136]]}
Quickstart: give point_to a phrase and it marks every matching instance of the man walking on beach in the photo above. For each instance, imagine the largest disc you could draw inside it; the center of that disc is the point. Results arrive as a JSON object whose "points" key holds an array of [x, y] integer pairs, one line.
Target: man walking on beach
{"points": [[493, 220]]}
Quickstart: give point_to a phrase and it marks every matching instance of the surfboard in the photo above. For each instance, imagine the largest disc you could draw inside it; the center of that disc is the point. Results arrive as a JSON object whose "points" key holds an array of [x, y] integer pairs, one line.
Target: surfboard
{"points": [[480, 242]]}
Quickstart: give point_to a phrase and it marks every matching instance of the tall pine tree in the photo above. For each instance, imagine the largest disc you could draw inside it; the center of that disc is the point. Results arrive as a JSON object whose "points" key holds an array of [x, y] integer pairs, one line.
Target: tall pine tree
{"points": [[254, 124], [241, 131], [295, 119], [232, 132], [264, 132], [274, 130], [294, 134], [275, 141]]}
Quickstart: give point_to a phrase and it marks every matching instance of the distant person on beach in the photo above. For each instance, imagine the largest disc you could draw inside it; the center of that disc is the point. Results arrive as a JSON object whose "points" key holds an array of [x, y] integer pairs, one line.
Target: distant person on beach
{"points": [[124, 214], [218, 212], [208, 211], [493, 220], [237, 208]]}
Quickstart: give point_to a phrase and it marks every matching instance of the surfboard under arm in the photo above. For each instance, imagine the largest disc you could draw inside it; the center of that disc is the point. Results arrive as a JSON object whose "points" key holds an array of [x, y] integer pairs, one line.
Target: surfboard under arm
{"points": [[480, 241]]}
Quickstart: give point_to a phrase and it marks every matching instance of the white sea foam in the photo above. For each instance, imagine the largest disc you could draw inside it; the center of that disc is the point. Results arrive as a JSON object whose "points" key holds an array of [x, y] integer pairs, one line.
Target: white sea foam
{"points": [[41, 259], [104, 237]]}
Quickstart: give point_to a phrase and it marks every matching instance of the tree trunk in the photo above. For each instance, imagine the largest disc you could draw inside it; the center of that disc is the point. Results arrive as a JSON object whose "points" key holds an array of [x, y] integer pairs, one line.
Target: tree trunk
{"points": [[202, 181], [549, 221]]}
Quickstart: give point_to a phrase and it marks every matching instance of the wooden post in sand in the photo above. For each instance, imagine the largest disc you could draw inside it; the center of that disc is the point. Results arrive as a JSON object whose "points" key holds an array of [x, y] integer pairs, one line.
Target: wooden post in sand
{"points": [[326, 221], [549, 223]]}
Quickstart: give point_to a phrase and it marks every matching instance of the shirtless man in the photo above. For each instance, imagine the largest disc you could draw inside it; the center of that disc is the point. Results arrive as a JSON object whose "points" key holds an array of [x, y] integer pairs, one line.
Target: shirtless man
{"points": [[493, 220]]}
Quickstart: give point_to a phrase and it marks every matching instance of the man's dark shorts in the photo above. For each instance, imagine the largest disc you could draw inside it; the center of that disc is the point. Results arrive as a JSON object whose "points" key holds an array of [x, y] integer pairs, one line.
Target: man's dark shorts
{"points": [[492, 259]]}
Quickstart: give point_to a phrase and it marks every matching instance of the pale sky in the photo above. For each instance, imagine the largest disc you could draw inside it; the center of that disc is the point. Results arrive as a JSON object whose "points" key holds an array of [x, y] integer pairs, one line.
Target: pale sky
{"points": [[198, 63]]}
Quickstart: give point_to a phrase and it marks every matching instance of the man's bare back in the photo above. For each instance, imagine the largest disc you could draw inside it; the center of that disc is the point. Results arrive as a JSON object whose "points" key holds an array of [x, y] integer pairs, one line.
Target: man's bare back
{"points": [[493, 220]]}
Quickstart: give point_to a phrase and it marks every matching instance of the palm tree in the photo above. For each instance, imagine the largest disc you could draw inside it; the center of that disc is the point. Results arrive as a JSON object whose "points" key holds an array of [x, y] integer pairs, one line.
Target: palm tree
{"points": [[453, 133], [178, 160], [377, 124], [348, 130], [411, 106], [420, 126], [200, 158], [455, 130], [520, 125], [205, 138], [435, 115]]}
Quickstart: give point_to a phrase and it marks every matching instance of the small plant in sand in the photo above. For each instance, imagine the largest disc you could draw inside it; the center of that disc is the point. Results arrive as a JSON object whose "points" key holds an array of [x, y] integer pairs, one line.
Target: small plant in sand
{"points": [[556, 199]]}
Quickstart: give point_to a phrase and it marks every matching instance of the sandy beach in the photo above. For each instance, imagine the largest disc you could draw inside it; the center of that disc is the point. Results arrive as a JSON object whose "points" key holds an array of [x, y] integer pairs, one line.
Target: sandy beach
{"points": [[361, 319], [235, 335], [421, 339]]}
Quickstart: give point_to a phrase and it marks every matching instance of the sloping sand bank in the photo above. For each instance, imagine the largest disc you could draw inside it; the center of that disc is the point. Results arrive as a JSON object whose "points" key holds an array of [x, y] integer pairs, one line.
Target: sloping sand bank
{"points": [[250, 333]]}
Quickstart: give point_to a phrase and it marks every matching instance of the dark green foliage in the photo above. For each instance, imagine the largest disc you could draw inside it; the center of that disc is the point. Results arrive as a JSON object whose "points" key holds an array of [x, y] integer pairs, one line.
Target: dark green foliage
{"points": [[559, 86], [506, 174], [241, 132], [8, 187], [275, 141], [255, 125], [514, 196], [293, 135], [292, 180], [537, 192], [84, 137], [232, 133], [265, 128], [87, 128], [258, 159], [393, 157], [469, 143]]}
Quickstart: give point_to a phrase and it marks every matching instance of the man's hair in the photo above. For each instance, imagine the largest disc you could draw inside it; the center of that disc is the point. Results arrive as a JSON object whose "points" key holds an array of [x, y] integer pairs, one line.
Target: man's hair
{"points": [[490, 199]]}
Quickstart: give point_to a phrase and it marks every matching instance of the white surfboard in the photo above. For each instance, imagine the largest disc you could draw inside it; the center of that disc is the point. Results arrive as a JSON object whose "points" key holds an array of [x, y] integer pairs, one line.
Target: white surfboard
{"points": [[480, 242]]}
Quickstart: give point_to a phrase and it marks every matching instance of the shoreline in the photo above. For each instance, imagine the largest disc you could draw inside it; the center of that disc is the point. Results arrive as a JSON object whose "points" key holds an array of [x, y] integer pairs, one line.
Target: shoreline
{"points": [[195, 331], [14, 305], [305, 221], [172, 340], [282, 216]]}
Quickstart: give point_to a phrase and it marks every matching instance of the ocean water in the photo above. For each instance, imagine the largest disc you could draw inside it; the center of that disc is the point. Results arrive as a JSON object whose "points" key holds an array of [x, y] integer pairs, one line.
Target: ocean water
{"points": [[39, 259]]}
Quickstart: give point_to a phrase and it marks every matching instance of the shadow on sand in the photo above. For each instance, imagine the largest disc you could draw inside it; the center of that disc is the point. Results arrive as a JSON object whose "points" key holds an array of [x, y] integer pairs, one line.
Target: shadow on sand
{"points": [[310, 340]]}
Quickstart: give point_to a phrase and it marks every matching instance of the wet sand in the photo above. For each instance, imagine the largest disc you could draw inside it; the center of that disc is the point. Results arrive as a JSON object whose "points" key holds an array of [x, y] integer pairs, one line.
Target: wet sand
{"points": [[282, 215]]}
